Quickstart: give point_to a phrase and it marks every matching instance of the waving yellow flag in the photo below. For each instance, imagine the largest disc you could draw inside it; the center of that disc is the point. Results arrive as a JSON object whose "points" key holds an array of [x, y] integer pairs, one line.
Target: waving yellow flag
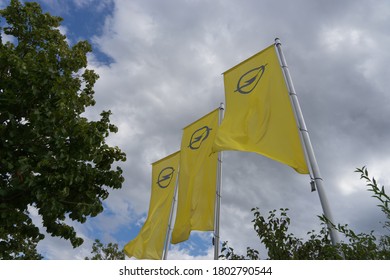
{"points": [[197, 178], [149, 243], [259, 116]]}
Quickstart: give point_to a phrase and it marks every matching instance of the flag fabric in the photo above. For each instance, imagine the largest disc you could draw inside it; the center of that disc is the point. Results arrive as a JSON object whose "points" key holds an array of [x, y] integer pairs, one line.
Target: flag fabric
{"points": [[149, 243], [197, 178], [259, 116]]}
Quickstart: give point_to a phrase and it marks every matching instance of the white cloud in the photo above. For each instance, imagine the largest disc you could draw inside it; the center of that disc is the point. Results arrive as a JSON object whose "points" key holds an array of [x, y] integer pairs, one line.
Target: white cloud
{"points": [[185, 254], [341, 37]]}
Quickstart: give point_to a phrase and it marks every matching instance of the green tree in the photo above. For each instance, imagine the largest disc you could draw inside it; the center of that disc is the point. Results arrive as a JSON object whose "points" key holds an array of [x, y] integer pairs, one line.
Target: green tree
{"points": [[108, 252], [51, 157], [280, 244]]}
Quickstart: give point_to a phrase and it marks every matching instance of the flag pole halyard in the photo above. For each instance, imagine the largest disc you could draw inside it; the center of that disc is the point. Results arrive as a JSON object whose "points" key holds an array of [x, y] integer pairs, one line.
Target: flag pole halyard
{"points": [[217, 209], [169, 229], [307, 143]]}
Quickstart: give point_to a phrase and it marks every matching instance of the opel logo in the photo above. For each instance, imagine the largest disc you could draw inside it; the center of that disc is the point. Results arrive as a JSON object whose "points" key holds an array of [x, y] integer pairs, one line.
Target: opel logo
{"points": [[165, 177], [198, 137], [248, 82]]}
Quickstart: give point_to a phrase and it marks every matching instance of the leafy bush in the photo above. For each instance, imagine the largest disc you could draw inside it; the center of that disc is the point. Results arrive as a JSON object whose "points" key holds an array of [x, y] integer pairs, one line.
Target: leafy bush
{"points": [[273, 232]]}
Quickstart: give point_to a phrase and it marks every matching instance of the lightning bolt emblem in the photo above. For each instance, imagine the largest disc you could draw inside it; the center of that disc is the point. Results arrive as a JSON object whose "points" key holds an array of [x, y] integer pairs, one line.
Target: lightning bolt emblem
{"points": [[165, 177], [248, 82], [198, 137]]}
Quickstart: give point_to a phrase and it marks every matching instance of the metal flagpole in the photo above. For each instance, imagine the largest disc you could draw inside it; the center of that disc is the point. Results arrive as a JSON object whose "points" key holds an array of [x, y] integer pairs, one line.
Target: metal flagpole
{"points": [[307, 144], [173, 208], [218, 194]]}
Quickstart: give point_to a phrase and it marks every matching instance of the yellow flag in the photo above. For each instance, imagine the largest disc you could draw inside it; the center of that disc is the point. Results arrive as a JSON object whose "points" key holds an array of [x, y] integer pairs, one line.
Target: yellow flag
{"points": [[149, 243], [197, 178], [259, 116]]}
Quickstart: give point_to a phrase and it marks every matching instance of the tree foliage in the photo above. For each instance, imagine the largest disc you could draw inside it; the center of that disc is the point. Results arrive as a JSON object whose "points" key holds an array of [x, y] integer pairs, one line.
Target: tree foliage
{"points": [[51, 157], [106, 252], [281, 244]]}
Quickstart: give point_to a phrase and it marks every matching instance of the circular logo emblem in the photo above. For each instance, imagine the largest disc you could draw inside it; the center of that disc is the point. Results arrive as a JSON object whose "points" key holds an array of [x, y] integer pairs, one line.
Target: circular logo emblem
{"points": [[165, 177], [198, 137], [248, 82]]}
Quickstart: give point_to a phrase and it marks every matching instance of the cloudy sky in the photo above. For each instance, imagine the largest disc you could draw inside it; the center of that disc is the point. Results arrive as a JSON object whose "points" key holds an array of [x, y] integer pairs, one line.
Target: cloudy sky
{"points": [[160, 65]]}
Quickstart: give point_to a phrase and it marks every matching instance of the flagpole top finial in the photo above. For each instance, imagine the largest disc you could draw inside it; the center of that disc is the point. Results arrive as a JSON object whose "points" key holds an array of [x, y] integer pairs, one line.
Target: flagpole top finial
{"points": [[277, 41]]}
